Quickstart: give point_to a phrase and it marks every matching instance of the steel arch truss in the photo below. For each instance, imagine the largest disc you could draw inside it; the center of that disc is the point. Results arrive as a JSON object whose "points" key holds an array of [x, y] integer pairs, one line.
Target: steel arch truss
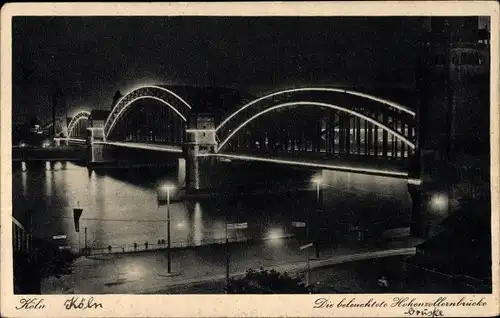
{"points": [[76, 121], [158, 93], [379, 117]]}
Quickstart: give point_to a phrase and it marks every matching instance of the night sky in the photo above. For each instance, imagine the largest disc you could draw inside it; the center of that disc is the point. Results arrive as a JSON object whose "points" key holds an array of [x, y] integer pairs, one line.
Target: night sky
{"points": [[89, 58]]}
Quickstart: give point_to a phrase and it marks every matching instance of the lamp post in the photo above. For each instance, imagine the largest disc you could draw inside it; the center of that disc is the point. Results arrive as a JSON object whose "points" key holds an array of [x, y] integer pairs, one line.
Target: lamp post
{"points": [[318, 182], [85, 246], [228, 283], [165, 190], [169, 258], [308, 267]]}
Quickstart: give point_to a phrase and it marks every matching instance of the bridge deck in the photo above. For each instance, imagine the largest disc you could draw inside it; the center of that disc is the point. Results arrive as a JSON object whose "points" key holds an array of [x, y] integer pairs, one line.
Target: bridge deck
{"points": [[145, 146], [362, 164], [393, 167]]}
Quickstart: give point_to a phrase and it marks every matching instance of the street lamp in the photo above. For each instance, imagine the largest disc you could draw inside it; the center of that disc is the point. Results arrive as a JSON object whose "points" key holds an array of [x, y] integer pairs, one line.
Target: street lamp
{"points": [[180, 225], [164, 196], [439, 202]]}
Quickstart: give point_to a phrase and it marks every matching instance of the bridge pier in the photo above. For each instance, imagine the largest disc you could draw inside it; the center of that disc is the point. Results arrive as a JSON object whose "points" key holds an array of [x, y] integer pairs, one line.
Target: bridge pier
{"points": [[200, 141], [203, 175], [95, 151], [192, 169], [61, 142]]}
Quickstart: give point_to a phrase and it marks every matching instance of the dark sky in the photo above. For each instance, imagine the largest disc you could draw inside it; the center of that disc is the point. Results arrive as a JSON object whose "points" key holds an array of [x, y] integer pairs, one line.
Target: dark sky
{"points": [[91, 57]]}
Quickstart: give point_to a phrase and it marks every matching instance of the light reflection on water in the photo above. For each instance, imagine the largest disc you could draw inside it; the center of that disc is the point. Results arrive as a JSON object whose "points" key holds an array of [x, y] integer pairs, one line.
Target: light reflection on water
{"points": [[197, 227], [120, 207]]}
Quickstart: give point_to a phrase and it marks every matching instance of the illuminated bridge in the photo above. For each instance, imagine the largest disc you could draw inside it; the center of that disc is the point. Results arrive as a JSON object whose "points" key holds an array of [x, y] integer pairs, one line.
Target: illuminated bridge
{"points": [[317, 127], [77, 127]]}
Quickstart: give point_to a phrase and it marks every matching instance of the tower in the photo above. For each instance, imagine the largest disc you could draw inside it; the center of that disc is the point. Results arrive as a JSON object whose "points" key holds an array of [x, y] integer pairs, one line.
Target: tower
{"points": [[453, 81], [116, 98], [59, 114], [453, 120]]}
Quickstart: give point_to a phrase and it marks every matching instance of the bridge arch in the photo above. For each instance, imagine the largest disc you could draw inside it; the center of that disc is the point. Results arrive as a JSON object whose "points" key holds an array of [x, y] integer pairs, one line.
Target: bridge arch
{"points": [[225, 139], [158, 93], [389, 104], [82, 115]]}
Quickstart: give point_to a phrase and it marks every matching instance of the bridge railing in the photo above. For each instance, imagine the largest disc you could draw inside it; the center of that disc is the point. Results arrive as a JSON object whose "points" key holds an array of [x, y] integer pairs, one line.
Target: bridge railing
{"points": [[130, 248]]}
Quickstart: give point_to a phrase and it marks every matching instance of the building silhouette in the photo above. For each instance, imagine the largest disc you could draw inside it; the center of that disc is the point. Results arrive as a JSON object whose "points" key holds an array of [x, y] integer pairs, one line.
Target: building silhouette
{"points": [[451, 200], [116, 98], [453, 80], [59, 114]]}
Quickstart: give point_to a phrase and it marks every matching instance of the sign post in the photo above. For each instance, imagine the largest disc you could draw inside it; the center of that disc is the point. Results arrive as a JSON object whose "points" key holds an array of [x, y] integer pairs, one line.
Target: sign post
{"points": [[77, 213], [227, 260], [298, 224], [237, 226], [85, 239], [308, 268]]}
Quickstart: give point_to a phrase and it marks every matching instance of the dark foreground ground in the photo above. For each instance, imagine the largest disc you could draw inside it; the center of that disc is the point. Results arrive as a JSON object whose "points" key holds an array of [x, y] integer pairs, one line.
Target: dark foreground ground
{"points": [[201, 268], [356, 277]]}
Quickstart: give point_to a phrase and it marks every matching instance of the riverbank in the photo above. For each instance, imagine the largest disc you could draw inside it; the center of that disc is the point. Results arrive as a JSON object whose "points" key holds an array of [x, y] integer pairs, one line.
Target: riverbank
{"points": [[143, 273], [63, 153]]}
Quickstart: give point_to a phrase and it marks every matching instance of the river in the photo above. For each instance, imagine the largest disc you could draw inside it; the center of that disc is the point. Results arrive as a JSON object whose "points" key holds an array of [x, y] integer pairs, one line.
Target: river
{"points": [[120, 206]]}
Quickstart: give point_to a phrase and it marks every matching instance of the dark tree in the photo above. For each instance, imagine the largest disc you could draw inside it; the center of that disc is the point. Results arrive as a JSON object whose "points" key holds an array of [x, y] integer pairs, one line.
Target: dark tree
{"points": [[45, 260], [267, 282], [468, 232]]}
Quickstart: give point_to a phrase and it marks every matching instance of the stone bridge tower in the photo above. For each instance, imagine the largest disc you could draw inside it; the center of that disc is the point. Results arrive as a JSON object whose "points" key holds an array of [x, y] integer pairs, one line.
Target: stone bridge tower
{"points": [[453, 120], [200, 140]]}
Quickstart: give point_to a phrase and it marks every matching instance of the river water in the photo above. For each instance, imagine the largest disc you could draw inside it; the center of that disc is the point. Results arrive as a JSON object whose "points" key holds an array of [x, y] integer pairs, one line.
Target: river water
{"points": [[120, 206]]}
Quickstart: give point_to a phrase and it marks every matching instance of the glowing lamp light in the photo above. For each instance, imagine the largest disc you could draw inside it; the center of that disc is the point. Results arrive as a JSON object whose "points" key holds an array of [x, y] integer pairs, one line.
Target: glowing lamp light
{"points": [[439, 201], [167, 187], [415, 181], [164, 192], [275, 234], [317, 180]]}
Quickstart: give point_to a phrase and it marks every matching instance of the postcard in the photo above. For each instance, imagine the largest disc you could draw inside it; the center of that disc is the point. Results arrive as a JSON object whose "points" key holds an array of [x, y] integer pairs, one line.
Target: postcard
{"points": [[309, 159]]}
